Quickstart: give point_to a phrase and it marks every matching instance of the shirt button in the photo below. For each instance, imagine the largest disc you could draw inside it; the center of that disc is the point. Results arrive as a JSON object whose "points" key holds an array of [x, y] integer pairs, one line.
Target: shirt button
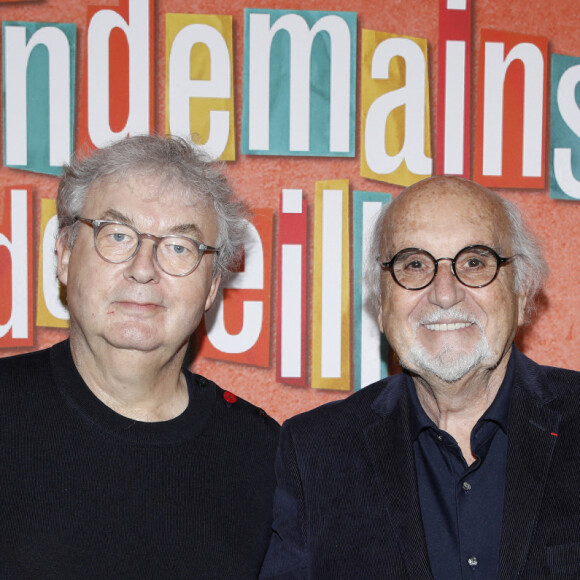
{"points": [[472, 561], [440, 437], [466, 487]]}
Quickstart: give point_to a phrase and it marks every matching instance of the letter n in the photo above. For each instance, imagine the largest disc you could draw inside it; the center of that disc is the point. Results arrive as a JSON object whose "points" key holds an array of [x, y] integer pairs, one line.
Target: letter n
{"points": [[511, 111], [39, 88]]}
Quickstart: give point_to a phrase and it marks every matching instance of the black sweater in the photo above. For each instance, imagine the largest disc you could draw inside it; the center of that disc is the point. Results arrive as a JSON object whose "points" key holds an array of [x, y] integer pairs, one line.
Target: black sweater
{"points": [[87, 493]]}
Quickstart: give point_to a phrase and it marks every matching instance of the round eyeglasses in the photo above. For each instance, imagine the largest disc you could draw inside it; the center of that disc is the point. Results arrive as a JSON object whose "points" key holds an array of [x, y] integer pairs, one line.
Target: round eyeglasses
{"points": [[474, 266], [117, 242]]}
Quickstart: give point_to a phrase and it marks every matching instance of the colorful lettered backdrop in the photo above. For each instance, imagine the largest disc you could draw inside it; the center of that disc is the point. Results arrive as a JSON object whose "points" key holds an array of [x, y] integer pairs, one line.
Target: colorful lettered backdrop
{"points": [[282, 325]]}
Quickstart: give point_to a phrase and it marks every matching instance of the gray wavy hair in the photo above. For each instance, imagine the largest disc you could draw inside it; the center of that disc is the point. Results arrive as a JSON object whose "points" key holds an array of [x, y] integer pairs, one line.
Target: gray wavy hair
{"points": [[173, 160], [530, 267]]}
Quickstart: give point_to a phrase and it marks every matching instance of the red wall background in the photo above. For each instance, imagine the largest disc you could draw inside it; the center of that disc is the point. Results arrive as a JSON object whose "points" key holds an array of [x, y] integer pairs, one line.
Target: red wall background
{"points": [[553, 338]]}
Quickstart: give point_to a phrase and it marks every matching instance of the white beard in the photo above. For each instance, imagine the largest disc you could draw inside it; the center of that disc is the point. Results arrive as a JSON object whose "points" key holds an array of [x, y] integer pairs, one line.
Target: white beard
{"points": [[449, 364]]}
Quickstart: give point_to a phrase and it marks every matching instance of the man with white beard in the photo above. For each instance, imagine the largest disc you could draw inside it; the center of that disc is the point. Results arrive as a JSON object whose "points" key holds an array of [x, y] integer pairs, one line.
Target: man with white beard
{"points": [[467, 464]]}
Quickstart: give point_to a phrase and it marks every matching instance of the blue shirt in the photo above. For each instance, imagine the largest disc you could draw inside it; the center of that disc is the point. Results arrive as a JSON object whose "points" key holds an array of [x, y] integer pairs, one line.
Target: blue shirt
{"points": [[462, 505]]}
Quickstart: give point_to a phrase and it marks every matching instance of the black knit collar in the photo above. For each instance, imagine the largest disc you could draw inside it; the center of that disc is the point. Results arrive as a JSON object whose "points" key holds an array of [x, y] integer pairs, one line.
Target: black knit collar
{"points": [[201, 406]]}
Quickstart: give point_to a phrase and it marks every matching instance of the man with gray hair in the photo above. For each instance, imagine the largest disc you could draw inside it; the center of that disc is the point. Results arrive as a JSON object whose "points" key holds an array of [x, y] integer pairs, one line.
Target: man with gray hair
{"points": [[117, 462], [467, 464]]}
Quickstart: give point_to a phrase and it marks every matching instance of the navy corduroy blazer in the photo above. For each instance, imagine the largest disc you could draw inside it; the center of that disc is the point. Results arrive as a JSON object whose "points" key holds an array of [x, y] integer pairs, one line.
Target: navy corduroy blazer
{"points": [[347, 506]]}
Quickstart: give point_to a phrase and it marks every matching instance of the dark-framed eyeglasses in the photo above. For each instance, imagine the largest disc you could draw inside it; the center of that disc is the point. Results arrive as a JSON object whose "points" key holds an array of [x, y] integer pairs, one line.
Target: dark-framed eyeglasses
{"points": [[474, 266], [118, 242]]}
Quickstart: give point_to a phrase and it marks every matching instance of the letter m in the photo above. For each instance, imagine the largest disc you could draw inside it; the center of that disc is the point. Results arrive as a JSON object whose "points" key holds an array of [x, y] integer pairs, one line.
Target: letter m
{"points": [[299, 84]]}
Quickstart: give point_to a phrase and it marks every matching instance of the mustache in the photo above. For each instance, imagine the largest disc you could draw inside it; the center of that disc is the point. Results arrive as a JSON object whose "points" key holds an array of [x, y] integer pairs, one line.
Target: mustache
{"points": [[455, 314]]}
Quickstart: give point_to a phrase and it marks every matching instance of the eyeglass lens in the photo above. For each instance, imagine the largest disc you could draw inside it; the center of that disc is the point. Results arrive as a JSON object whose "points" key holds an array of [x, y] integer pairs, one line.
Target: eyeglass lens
{"points": [[416, 269], [118, 242]]}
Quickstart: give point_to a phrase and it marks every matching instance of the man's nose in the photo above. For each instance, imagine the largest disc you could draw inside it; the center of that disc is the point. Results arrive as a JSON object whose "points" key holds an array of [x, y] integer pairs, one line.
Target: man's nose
{"points": [[446, 290], [143, 267]]}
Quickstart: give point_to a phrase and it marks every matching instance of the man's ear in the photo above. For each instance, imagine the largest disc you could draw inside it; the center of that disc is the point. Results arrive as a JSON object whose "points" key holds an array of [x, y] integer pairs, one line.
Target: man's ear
{"points": [[522, 302], [63, 257], [215, 284], [380, 318]]}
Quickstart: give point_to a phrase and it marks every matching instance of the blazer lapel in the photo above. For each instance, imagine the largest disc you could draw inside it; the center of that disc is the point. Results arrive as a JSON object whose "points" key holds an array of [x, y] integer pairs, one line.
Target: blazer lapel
{"points": [[532, 435], [391, 449]]}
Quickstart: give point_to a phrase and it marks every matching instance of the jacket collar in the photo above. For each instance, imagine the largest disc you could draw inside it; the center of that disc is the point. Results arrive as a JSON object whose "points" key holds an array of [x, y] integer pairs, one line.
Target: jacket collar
{"points": [[532, 437], [390, 447]]}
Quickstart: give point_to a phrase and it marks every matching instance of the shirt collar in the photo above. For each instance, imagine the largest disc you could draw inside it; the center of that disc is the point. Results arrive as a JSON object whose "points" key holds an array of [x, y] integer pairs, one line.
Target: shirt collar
{"points": [[498, 411]]}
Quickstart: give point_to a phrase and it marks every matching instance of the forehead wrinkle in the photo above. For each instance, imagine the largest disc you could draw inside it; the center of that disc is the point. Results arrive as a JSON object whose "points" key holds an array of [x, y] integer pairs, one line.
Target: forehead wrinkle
{"points": [[149, 186]]}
